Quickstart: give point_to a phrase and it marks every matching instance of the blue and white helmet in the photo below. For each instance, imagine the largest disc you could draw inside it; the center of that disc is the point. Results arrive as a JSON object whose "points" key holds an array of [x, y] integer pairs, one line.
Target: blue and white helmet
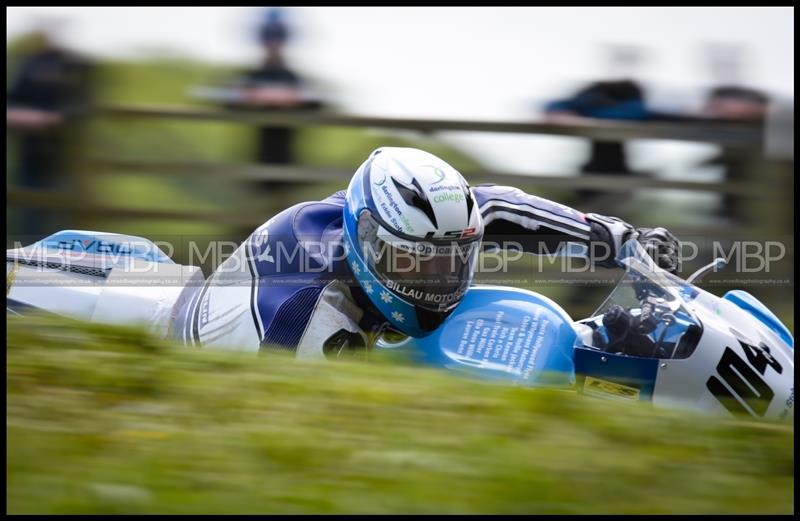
{"points": [[412, 231]]}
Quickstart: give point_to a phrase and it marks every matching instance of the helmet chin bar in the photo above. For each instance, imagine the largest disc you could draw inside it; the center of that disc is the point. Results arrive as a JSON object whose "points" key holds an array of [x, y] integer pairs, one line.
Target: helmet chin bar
{"points": [[430, 320]]}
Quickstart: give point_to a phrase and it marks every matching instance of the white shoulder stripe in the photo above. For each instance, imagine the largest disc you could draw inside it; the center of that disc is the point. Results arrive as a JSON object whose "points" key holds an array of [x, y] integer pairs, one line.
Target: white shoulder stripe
{"points": [[532, 224], [248, 254], [538, 211]]}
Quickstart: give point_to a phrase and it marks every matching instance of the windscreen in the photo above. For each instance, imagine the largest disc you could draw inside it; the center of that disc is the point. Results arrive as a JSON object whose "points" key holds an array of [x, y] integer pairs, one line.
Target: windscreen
{"points": [[645, 315]]}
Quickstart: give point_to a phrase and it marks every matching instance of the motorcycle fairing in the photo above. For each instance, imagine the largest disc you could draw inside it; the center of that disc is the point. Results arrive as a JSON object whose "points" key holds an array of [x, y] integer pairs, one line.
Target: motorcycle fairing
{"points": [[113, 246], [752, 305], [502, 333]]}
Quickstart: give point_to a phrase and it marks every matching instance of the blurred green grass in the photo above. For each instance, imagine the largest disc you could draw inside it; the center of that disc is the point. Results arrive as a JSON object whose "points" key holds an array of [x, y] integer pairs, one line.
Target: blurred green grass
{"points": [[105, 419]]}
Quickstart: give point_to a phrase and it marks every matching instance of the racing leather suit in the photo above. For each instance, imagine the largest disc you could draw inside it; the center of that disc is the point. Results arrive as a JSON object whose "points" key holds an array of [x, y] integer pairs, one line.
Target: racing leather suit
{"points": [[288, 286]]}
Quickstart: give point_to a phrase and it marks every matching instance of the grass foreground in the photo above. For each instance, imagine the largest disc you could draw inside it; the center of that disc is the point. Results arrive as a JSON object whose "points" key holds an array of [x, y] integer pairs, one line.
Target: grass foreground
{"points": [[110, 420]]}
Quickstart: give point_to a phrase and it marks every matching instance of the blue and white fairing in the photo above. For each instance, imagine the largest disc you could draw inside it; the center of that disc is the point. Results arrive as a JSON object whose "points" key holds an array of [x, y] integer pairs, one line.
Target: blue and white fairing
{"points": [[99, 277], [681, 346], [685, 347], [501, 333], [112, 247]]}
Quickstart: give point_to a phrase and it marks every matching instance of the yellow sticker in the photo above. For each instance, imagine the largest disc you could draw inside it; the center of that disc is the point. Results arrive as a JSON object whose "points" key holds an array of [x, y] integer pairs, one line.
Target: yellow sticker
{"points": [[604, 388], [12, 275]]}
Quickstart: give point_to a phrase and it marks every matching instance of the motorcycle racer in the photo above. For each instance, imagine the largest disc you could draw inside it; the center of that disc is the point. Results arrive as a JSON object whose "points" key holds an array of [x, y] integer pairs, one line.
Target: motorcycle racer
{"points": [[396, 250]]}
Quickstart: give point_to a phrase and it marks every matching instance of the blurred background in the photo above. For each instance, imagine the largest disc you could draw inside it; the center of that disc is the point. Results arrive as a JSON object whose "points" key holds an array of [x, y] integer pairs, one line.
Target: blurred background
{"points": [[198, 124]]}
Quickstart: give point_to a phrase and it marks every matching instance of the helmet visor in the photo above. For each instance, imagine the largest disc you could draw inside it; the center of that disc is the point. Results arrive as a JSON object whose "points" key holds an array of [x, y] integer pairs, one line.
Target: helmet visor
{"points": [[432, 275]]}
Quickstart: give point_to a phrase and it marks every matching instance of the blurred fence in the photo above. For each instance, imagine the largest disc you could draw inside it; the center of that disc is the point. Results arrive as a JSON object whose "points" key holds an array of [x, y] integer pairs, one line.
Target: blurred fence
{"points": [[767, 188]]}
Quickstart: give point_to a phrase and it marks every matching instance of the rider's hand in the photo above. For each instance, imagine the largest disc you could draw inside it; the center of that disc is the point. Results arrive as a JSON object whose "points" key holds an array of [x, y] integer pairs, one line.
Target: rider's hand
{"points": [[613, 231], [662, 246]]}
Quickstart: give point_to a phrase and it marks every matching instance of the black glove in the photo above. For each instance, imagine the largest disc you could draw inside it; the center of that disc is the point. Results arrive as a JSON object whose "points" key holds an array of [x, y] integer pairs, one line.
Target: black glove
{"points": [[614, 232], [662, 246]]}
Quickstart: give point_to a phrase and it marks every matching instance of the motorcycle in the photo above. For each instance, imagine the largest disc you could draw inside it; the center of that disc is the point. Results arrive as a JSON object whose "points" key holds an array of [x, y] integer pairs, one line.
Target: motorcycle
{"points": [[656, 338]]}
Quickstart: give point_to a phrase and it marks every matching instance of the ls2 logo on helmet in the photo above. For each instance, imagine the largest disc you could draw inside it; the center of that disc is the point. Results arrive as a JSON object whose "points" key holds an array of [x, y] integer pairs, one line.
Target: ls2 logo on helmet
{"points": [[455, 234]]}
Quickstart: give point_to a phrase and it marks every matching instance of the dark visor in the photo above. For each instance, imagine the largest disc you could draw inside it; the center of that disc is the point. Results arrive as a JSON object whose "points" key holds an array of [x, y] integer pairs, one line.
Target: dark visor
{"points": [[431, 276]]}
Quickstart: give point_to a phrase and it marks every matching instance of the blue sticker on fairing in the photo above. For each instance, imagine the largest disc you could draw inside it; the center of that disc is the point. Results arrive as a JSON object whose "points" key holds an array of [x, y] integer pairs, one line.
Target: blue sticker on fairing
{"points": [[503, 334], [752, 305], [113, 245]]}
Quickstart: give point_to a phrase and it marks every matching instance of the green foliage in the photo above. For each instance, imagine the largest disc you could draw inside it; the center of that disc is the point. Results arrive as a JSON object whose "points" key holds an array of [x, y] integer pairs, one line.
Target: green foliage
{"points": [[104, 419]]}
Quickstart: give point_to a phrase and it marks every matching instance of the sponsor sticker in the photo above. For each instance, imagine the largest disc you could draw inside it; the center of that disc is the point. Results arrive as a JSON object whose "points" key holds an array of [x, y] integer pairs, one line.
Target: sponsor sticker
{"points": [[440, 175], [95, 246], [454, 197], [606, 389]]}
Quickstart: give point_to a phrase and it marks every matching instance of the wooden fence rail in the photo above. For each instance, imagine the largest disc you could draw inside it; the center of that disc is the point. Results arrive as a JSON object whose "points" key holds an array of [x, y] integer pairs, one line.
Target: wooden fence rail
{"points": [[302, 174], [250, 219], [741, 140], [728, 134]]}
